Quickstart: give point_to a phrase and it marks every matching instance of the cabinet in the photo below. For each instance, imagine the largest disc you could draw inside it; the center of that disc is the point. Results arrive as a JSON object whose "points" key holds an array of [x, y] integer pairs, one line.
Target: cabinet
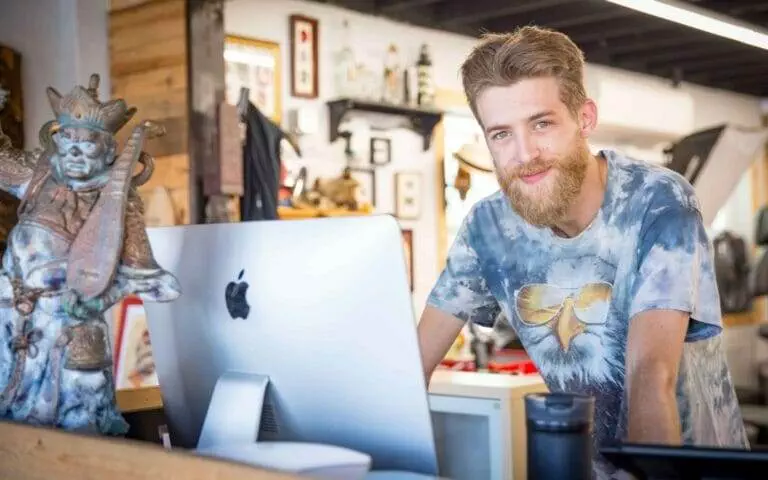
{"points": [[479, 423]]}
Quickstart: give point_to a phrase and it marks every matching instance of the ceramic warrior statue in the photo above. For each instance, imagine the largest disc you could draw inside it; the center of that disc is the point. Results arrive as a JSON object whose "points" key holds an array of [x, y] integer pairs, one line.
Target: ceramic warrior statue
{"points": [[80, 246]]}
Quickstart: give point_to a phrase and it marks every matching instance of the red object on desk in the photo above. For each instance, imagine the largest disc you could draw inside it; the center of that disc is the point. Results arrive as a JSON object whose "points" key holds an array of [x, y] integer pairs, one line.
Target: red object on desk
{"points": [[504, 362]]}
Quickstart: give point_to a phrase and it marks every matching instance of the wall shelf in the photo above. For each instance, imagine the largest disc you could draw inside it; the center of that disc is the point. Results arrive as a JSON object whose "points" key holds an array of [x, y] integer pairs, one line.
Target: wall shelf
{"points": [[421, 120]]}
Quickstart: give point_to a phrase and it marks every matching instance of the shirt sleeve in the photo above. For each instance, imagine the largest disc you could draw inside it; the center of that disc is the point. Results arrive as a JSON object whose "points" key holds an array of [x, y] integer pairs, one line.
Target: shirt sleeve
{"points": [[676, 271], [461, 289]]}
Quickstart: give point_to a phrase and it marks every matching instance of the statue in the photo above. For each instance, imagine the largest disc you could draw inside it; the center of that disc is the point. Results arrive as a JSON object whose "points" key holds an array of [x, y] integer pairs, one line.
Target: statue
{"points": [[79, 247]]}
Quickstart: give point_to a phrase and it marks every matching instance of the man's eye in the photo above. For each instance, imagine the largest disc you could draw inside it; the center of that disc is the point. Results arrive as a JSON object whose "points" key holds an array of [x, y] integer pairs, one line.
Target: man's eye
{"points": [[543, 124], [499, 135]]}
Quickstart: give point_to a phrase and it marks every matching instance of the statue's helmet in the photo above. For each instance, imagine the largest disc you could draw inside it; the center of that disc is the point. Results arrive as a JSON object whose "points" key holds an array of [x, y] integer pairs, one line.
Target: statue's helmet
{"points": [[81, 108]]}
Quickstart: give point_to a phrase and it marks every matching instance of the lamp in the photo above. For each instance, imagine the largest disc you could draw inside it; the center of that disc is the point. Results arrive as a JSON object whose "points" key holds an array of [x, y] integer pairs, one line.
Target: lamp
{"points": [[700, 19]]}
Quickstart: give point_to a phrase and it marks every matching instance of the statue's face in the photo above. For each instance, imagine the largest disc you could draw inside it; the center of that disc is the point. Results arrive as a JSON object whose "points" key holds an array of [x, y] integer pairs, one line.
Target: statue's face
{"points": [[82, 153]]}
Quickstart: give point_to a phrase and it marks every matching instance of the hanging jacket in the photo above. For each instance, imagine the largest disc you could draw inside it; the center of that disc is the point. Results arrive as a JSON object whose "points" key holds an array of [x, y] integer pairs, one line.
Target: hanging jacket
{"points": [[261, 166]]}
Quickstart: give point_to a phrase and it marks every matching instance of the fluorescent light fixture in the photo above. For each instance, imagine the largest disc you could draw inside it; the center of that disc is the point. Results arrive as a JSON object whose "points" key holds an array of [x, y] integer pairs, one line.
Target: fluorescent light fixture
{"points": [[699, 19]]}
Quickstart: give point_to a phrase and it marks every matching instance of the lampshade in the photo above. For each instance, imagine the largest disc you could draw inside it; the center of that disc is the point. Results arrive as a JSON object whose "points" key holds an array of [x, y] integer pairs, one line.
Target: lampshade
{"points": [[475, 157]]}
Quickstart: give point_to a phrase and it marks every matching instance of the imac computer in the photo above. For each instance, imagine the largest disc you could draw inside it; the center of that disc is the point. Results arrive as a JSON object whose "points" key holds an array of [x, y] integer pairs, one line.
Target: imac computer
{"points": [[688, 462], [300, 332]]}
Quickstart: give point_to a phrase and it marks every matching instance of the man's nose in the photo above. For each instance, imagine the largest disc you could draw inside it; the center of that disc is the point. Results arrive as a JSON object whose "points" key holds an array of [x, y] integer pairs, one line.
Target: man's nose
{"points": [[75, 151], [527, 149]]}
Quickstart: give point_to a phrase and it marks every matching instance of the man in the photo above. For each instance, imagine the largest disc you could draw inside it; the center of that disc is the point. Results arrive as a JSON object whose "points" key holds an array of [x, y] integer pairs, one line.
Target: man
{"points": [[600, 263]]}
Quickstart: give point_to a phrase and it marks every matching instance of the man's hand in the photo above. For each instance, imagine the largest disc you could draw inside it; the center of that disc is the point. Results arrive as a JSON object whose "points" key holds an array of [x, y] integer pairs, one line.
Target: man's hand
{"points": [[437, 331], [654, 349]]}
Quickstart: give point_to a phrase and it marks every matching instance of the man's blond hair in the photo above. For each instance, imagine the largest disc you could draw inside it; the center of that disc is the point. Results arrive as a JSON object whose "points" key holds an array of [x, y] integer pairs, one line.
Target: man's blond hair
{"points": [[502, 59]]}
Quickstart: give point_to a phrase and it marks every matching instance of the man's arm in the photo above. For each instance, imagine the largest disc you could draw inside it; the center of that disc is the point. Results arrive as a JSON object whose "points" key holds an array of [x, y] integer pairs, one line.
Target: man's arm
{"points": [[675, 300], [437, 332], [654, 349], [461, 294]]}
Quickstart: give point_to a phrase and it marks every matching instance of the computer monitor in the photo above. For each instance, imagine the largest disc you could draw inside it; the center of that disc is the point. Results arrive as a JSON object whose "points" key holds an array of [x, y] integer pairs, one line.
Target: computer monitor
{"points": [[689, 462], [319, 308]]}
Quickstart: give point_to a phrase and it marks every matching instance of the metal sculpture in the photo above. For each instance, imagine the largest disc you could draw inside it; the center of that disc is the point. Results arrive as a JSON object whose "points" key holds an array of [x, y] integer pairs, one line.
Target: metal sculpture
{"points": [[79, 247]]}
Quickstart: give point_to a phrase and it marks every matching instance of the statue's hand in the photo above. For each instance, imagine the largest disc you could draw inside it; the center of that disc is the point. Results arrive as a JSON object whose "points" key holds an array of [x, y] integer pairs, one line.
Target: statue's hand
{"points": [[76, 307]]}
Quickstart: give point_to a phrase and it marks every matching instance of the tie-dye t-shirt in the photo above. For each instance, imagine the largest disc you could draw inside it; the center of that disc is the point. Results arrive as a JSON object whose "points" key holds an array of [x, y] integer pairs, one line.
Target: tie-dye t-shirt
{"points": [[570, 300]]}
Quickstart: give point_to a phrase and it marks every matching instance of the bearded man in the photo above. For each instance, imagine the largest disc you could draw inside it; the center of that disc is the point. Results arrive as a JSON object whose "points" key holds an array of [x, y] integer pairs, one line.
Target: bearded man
{"points": [[600, 262]]}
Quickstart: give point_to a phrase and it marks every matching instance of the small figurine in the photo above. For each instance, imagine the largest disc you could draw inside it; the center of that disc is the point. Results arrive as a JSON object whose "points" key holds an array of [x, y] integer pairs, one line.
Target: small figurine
{"points": [[342, 192], [79, 247], [425, 75], [393, 77]]}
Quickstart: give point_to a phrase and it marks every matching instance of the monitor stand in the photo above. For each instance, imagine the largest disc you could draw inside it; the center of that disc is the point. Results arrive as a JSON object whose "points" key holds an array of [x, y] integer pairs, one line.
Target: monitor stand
{"points": [[231, 430]]}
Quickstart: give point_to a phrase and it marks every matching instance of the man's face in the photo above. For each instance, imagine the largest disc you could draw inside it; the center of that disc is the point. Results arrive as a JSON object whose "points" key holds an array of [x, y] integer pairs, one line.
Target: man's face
{"points": [[538, 147], [82, 152]]}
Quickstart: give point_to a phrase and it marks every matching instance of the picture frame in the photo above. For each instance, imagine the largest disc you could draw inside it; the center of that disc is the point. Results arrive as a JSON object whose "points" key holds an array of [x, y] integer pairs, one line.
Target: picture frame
{"points": [[380, 151], [408, 196], [366, 192], [133, 364], [257, 65], [408, 249], [304, 57], [11, 99]]}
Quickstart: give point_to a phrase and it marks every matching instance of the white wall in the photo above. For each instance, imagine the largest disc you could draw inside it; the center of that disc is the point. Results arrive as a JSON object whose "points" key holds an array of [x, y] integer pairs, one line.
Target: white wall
{"points": [[268, 20], [61, 43]]}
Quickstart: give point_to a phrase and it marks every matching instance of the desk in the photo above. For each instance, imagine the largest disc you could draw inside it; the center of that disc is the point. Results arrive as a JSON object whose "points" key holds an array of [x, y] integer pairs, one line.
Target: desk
{"points": [[479, 422], [32, 453]]}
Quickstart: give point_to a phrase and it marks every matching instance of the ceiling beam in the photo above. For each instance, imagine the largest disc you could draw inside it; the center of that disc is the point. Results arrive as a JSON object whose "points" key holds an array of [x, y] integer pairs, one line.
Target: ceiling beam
{"points": [[675, 56], [740, 59], [392, 6], [468, 12], [570, 15], [727, 74], [638, 43], [734, 9], [631, 27]]}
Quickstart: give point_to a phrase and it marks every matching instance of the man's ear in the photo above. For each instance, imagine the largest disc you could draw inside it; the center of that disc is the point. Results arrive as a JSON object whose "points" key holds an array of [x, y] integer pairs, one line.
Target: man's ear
{"points": [[588, 118]]}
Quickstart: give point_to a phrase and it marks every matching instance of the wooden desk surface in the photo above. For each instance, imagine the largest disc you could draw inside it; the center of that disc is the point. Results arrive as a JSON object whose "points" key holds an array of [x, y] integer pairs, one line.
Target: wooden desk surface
{"points": [[444, 382], [36, 453], [484, 385]]}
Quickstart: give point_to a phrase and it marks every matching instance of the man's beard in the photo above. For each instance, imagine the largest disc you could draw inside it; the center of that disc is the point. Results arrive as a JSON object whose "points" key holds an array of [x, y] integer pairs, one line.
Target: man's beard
{"points": [[546, 202]]}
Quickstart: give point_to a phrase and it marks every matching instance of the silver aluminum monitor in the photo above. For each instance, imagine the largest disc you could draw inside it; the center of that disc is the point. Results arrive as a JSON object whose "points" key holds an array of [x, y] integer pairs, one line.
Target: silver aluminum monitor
{"points": [[328, 321]]}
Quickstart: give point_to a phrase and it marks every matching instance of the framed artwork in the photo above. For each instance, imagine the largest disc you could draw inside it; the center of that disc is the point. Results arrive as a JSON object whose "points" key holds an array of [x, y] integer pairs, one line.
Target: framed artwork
{"points": [[366, 192], [134, 365], [254, 64], [408, 248], [304, 61], [381, 151], [11, 105], [408, 195], [12, 128]]}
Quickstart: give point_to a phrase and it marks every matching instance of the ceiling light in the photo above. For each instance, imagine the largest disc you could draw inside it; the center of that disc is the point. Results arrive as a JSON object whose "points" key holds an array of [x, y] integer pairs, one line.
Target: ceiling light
{"points": [[699, 19]]}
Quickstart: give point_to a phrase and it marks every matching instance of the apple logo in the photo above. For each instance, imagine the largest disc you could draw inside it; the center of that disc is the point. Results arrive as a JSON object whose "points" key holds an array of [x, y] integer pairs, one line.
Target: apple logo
{"points": [[234, 295]]}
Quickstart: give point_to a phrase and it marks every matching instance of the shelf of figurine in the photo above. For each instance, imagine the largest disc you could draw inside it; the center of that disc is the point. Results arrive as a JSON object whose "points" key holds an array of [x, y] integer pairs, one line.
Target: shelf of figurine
{"points": [[294, 213], [328, 197], [79, 247], [422, 120]]}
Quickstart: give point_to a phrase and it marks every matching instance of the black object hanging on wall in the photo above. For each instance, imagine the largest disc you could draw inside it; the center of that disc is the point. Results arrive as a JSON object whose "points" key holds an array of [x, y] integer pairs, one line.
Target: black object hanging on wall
{"points": [[261, 166], [689, 155], [714, 161]]}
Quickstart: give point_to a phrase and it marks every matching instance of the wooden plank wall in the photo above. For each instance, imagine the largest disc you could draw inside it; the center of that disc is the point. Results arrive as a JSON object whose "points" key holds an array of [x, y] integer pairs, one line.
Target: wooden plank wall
{"points": [[149, 69]]}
